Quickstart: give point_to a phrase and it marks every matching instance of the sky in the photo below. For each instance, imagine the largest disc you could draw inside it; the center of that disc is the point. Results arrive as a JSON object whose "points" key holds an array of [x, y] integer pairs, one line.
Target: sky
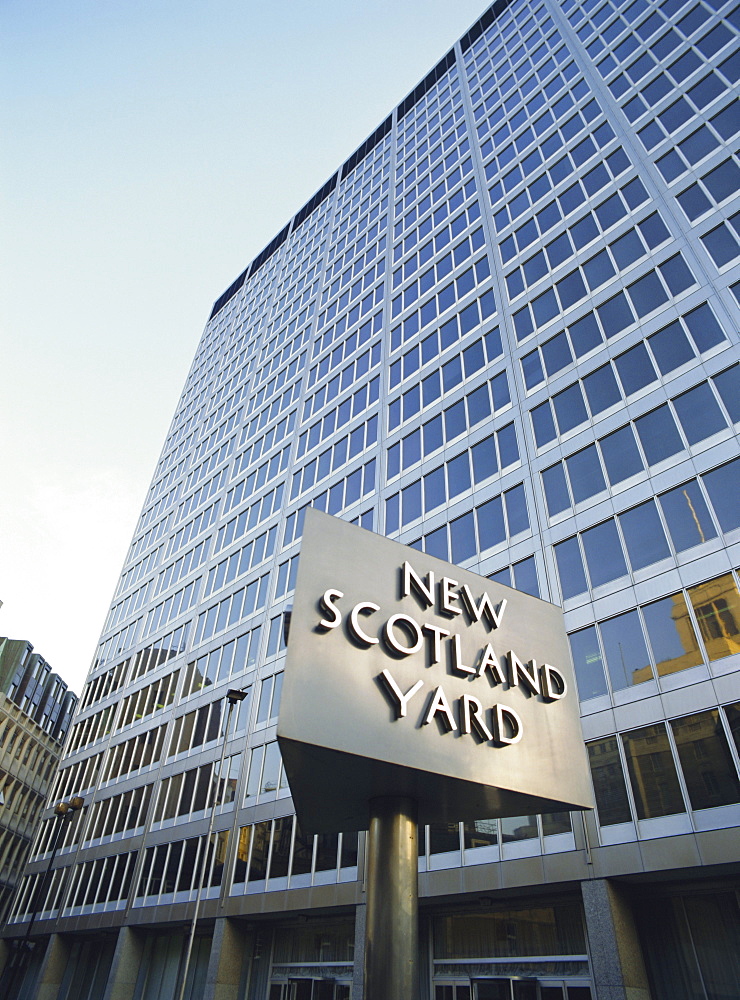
{"points": [[151, 148]]}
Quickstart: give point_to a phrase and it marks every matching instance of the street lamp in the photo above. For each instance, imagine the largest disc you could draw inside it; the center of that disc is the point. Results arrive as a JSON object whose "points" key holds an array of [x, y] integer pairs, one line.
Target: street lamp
{"points": [[64, 812], [233, 697]]}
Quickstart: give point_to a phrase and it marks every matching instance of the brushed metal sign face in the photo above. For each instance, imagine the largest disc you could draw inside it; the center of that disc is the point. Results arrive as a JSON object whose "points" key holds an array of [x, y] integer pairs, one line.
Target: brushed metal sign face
{"points": [[408, 675]]}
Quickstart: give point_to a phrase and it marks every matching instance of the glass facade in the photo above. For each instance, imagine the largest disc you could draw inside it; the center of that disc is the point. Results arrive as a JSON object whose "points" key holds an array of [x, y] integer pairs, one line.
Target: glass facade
{"points": [[504, 332]]}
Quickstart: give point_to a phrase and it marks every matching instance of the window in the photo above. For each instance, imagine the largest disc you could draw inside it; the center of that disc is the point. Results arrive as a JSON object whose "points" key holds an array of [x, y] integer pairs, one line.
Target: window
{"points": [[610, 790], [658, 434], [588, 663], [671, 634], [687, 516], [706, 761], [627, 657], [603, 552], [643, 535], [699, 413], [723, 486], [716, 605], [652, 772]]}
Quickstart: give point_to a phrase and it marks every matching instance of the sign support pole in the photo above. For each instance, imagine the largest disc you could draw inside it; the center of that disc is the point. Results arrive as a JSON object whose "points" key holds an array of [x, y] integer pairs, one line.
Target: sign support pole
{"points": [[392, 931]]}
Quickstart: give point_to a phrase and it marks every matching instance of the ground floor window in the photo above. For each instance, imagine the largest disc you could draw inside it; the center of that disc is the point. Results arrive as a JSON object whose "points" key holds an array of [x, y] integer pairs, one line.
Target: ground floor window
{"points": [[533, 953], [313, 961], [691, 944], [513, 988]]}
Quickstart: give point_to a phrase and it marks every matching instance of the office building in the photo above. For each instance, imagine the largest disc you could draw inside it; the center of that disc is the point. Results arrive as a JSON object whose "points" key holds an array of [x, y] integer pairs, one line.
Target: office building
{"points": [[505, 331], [35, 713]]}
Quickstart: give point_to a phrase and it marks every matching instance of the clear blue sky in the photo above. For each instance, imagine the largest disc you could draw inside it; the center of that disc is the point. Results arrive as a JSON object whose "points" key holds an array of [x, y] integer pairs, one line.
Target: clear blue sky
{"points": [[150, 150]]}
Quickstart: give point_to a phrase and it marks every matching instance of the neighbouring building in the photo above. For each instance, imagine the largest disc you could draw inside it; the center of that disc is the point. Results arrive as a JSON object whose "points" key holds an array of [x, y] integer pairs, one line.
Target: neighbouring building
{"points": [[505, 331], [35, 713]]}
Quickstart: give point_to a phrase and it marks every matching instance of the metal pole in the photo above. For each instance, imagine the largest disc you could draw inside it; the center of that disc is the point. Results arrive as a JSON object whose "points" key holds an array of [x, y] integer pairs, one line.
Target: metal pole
{"points": [[64, 812], [233, 697], [38, 894], [392, 931]]}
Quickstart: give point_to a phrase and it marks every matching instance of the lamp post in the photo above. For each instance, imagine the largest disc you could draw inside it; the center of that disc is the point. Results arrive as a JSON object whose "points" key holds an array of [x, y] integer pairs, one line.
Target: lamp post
{"points": [[65, 813], [233, 697]]}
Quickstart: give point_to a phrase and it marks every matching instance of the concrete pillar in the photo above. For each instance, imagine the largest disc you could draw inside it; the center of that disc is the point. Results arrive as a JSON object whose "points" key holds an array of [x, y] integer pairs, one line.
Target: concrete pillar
{"points": [[358, 972], [124, 970], [616, 956], [53, 967], [231, 951]]}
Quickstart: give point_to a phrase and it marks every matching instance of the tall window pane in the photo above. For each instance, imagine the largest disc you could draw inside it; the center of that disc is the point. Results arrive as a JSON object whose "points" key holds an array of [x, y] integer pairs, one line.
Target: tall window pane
{"points": [[621, 456], [652, 772], [260, 845], [728, 384], [570, 408], [443, 837], [434, 489], [601, 389], [733, 717], [643, 535], [610, 790], [458, 474], [349, 850], [706, 761], [491, 527], [326, 851], [723, 485], [699, 413], [480, 833], [588, 663], [556, 489], [411, 502], [435, 543], [670, 347], [281, 835], [671, 634], [462, 534], [635, 369], [687, 514], [557, 822], [516, 510], [658, 435], [525, 576], [715, 930], [626, 653], [302, 852], [570, 568], [518, 828], [584, 472], [603, 553], [717, 607], [271, 769]]}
